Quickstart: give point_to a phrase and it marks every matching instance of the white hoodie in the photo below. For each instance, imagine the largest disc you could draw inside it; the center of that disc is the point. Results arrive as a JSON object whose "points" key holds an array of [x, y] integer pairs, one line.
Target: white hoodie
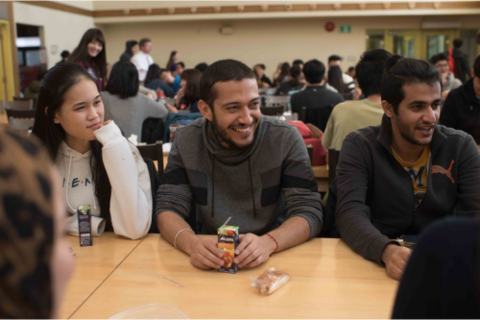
{"points": [[131, 200]]}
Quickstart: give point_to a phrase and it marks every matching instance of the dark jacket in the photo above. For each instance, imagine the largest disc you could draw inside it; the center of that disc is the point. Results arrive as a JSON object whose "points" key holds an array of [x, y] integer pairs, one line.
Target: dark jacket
{"points": [[442, 276], [159, 84], [265, 79], [375, 194], [314, 97], [461, 110]]}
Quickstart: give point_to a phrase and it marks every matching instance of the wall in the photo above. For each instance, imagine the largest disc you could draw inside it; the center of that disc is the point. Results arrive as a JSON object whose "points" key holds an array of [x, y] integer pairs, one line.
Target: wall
{"points": [[269, 41], [60, 28]]}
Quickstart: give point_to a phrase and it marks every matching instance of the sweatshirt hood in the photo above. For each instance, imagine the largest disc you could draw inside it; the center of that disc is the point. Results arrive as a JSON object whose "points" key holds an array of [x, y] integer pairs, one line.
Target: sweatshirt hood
{"points": [[468, 92], [228, 156]]}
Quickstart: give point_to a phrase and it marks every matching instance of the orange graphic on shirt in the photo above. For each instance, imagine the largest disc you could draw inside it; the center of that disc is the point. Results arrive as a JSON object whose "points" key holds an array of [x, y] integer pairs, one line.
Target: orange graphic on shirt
{"points": [[448, 173]]}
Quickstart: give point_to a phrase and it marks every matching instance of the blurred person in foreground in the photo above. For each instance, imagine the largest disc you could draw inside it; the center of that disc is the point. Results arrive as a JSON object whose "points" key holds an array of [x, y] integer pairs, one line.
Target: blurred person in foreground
{"points": [[35, 260]]}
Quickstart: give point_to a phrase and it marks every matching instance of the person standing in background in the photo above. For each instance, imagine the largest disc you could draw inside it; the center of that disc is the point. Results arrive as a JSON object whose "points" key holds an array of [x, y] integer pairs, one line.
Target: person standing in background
{"points": [[172, 61], [142, 60], [65, 54], [131, 48], [90, 54]]}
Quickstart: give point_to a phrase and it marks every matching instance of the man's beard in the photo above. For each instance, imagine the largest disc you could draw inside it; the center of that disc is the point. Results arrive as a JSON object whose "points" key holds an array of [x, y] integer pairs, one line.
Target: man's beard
{"points": [[407, 134], [222, 135]]}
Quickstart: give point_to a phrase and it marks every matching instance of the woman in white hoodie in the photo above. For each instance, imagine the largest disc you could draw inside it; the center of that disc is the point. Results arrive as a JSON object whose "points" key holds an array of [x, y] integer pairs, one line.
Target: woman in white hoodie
{"points": [[99, 167]]}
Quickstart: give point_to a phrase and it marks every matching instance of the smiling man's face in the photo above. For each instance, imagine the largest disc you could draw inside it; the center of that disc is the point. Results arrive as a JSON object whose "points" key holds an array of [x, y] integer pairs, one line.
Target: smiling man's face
{"points": [[236, 112], [418, 113]]}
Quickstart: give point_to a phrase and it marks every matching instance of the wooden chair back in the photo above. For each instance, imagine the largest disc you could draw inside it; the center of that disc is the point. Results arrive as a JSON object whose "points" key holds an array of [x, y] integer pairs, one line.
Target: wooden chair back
{"points": [[21, 120], [333, 156], [154, 152], [17, 105]]}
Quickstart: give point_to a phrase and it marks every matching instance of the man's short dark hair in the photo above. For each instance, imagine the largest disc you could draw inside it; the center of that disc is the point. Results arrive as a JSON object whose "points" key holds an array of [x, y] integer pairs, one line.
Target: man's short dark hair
{"points": [[334, 58], [144, 41], [400, 71], [123, 80], [201, 66], [476, 67], [222, 71], [457, 43], [182, 64], [314, 71], [65, 54], [438, 57], [297, 62], [261, 65], [350, 69], [369, 70]]}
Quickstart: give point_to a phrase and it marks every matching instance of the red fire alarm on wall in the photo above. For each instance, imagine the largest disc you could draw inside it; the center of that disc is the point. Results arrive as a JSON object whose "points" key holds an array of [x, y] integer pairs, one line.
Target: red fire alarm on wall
{"points": [[330, 26]]}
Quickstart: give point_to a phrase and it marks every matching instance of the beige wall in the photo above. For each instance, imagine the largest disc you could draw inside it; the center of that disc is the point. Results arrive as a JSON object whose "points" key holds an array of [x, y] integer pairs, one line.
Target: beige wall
{"points": [[61, 29], [268, 41]]}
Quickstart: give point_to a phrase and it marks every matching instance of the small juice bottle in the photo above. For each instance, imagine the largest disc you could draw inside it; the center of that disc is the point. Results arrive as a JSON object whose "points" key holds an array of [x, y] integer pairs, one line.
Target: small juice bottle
{"points": [[228, 240]]}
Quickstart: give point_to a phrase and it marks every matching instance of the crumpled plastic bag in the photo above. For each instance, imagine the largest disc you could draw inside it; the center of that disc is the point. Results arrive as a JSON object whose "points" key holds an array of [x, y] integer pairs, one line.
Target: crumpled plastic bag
{"points": [[270, 281]]}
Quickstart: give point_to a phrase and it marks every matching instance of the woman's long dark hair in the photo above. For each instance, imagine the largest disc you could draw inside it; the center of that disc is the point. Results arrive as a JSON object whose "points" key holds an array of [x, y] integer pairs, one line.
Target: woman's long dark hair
{"points": [[335, 79], [295, 73], [170, 60], [80, 54], [192, 88], [284, 72], [128, 54], [123, 80], [153, 73], [56, 83]]}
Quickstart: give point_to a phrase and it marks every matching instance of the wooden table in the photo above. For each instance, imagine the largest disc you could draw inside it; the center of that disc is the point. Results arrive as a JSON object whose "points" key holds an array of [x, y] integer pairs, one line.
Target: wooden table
{"points": [[320, 173], [328, 281], [92, 266]]}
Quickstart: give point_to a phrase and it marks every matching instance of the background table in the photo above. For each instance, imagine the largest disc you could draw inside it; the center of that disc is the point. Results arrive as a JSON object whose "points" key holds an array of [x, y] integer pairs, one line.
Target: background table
{"points": [[328, 281], [92, 266]]}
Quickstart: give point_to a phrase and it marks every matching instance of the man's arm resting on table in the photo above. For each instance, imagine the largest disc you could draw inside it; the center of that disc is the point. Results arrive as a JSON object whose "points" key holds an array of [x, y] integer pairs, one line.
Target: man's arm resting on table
{"points": [[254, 250], [203, 252]]}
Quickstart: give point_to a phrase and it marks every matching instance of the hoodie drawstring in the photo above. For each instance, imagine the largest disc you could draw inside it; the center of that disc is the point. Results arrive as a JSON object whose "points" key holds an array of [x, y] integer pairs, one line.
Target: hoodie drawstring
{"points": [[68, 181], [251, 186]]}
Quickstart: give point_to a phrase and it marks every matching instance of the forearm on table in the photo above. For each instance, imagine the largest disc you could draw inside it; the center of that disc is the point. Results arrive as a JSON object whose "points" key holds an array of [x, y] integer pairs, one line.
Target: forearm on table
{"points": [[291, 233], [169, 224]]}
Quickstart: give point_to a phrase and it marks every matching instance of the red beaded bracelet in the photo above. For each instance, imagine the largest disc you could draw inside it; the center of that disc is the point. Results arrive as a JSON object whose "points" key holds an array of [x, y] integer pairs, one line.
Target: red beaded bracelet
{"points": [[268, 234]]}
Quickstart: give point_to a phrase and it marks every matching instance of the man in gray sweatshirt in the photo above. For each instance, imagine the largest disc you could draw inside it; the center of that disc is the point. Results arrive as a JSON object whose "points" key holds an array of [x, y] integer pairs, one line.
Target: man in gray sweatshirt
{"points": [[236, 162]]}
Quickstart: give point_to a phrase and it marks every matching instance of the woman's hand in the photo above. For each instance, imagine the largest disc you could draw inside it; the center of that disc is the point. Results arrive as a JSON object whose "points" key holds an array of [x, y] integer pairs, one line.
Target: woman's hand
{"points": [[180, 95]]}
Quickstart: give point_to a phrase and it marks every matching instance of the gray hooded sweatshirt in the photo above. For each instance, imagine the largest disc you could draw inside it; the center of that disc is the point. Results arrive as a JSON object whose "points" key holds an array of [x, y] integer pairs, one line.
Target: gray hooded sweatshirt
{"points": [[260, 187]]}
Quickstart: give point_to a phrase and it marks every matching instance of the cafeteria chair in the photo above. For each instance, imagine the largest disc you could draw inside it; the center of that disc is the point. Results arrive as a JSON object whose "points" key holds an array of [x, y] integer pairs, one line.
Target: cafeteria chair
{"points": [[310, 153], [333, 156], [277, 100], [154, 152], [21, 120], [34, 101], [17, 105]]}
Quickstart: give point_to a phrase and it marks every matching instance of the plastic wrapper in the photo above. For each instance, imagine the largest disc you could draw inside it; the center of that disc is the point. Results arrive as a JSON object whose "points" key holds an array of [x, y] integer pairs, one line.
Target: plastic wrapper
{"points": [[271, 280]]}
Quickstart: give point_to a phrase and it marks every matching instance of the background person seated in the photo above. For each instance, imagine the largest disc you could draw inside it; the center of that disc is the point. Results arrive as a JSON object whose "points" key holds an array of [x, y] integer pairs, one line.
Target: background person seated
{"points": [[263, 80], [353, 115], [294, 83], [189, 93], [461, 110], [335, 60], [124, 105], [315, 95], [153, 82], [449, 82], [217, 164], [397, 178]]}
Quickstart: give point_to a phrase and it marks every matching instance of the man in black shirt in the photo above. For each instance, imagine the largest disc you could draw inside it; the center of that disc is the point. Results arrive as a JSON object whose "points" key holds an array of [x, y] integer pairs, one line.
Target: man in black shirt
{"points": [[315, 95]]}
